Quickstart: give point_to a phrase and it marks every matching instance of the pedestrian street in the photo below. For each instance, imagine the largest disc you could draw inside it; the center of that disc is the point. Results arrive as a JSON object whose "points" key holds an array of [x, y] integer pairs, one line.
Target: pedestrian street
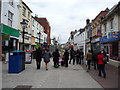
{"points": [[72, 77]]}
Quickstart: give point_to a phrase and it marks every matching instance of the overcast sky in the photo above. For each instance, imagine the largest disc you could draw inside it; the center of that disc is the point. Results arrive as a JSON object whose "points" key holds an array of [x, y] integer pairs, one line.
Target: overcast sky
{"points": [[65, 16]]}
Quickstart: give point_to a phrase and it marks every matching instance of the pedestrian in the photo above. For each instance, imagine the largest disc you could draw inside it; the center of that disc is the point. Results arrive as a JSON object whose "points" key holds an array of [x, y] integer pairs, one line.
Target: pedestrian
{"points": [[46, 57], [72, 56], [81, 57], [95, 63], [77, 56], [89, 58], [56, 56], [101, 64], [39, 55], [66, 57]]}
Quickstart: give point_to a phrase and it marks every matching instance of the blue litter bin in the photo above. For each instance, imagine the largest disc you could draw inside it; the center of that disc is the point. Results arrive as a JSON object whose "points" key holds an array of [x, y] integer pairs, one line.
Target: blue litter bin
{"points": [[16, 62]]}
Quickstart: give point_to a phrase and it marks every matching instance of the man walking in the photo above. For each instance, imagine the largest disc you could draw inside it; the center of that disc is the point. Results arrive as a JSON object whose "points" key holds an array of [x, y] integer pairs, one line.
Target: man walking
{"points": [[39, 55]]}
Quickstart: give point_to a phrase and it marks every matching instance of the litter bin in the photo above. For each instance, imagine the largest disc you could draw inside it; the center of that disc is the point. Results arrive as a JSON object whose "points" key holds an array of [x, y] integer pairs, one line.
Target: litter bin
{"points": [[16, 62]]}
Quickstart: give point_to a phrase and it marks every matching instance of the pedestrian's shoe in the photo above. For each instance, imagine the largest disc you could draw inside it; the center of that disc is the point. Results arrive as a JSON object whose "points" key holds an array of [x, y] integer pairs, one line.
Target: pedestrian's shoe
{"points": [[87, 71], [99, 75], [46, 69], [104, 76]]}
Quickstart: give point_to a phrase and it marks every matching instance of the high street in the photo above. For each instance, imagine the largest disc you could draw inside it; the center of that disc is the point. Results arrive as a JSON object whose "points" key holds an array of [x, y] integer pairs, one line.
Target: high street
{"points": [[72, 77]]}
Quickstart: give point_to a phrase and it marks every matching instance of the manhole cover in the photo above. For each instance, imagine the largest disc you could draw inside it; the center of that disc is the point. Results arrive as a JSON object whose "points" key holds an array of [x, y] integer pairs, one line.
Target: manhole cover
{"points": [[23, 87], [76, 69]]}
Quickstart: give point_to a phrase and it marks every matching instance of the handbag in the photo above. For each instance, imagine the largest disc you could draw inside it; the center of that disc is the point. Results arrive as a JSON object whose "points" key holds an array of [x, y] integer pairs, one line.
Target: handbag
{"points": [[105, 60]]}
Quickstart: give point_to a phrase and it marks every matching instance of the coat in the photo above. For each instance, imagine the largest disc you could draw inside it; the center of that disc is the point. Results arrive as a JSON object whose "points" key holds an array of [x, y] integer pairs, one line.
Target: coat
{"points": [[56, 56], [46, 56], [66, 56], [89, 56], [100, 58], [39, 54]]}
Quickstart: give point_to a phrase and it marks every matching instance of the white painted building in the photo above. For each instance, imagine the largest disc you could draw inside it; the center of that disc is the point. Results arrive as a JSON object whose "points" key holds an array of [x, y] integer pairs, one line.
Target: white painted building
{"points": [[79, 40], [38, 32], [10, 13], [110, 40], [9, 21]]}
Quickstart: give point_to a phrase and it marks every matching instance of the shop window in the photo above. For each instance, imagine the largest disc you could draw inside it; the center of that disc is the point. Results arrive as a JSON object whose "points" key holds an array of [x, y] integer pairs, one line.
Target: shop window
{"points": [[115, 49]]}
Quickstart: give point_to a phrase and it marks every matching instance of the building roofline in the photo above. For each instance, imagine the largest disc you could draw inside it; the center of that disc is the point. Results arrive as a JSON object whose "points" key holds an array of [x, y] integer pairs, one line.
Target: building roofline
{"points": [[26, 6]]}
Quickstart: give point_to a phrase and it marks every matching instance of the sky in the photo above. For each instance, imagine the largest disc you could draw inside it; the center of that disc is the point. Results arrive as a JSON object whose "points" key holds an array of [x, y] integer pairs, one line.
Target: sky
{"points": [[65, 16]]}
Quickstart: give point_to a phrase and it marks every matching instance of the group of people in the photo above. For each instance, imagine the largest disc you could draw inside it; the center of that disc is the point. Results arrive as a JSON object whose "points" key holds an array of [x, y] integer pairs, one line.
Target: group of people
{"points": [[75, 56]]}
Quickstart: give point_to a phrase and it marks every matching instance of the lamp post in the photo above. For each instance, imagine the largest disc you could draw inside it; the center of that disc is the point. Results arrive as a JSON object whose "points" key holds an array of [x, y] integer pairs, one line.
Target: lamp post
{"points": [[39, 37], [24, 24], [91, 44]]}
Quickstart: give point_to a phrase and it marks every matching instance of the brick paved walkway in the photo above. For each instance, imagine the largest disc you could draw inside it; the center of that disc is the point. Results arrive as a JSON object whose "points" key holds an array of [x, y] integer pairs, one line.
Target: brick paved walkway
{"points": [[111, 80]]}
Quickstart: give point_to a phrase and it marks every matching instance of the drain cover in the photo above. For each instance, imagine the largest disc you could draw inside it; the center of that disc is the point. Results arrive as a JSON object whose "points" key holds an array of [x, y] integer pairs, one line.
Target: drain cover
{"points": [[76, 69], [23, 87]]}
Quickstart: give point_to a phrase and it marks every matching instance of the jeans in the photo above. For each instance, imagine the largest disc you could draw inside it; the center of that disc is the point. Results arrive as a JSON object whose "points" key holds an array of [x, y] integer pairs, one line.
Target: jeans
{"points": [[101, 68], [88, 63]]}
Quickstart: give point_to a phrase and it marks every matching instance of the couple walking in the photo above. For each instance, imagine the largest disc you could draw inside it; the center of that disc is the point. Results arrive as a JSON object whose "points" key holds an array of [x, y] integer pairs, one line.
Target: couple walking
{"points": [[100, 63], [45, 54]]}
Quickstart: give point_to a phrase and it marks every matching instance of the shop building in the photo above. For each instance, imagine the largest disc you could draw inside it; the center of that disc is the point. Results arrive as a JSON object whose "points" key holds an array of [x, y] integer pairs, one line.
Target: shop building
{"points": [[88, 35], [111, 31], [96, 30], [25, 14], [9, 25]]}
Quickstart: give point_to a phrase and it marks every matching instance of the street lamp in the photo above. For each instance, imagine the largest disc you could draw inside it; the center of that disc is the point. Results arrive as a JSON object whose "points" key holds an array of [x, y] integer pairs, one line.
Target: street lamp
{"points": [[24, 24], [39, 37], [91, 44]]}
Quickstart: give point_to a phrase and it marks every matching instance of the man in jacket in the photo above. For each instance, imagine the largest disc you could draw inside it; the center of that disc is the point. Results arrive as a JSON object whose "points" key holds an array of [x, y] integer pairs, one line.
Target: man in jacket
{"points": [[39, 55], [89, 58]]}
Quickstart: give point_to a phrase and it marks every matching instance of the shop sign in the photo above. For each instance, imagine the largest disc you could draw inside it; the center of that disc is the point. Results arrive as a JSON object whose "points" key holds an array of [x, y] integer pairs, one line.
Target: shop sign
{"points": [[99, 32], [113, 34], [10, 31], [106, 40]]}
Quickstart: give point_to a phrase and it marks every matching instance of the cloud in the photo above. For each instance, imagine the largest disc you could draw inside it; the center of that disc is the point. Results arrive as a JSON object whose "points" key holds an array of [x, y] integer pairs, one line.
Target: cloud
{"points": [[67, 15]]}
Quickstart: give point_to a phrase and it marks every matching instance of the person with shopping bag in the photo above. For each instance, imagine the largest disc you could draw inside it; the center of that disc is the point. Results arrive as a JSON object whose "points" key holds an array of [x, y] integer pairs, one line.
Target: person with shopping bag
{"points": [[56, 56], [101, 64]]}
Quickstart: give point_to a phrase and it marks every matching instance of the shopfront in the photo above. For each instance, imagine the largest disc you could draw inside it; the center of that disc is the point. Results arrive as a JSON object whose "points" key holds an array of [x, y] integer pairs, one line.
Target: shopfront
{"points": [[113, 46], [96, 44], [10, 38]]}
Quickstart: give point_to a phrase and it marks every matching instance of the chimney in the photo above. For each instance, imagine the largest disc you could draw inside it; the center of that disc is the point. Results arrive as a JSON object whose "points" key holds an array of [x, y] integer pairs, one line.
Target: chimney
{"points": [[106, 9], [87, 21]]}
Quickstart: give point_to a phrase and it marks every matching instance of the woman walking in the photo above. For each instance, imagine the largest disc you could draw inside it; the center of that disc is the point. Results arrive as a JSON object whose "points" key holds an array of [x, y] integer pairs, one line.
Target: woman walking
{"points": [[46, 57], [101, 64]]}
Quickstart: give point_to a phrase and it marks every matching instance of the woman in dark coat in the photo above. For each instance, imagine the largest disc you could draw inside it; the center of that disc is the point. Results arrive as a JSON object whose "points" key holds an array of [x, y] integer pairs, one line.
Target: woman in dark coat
{"points": [[56, 56], [39, 55], [66, 57], [46, 57]]}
